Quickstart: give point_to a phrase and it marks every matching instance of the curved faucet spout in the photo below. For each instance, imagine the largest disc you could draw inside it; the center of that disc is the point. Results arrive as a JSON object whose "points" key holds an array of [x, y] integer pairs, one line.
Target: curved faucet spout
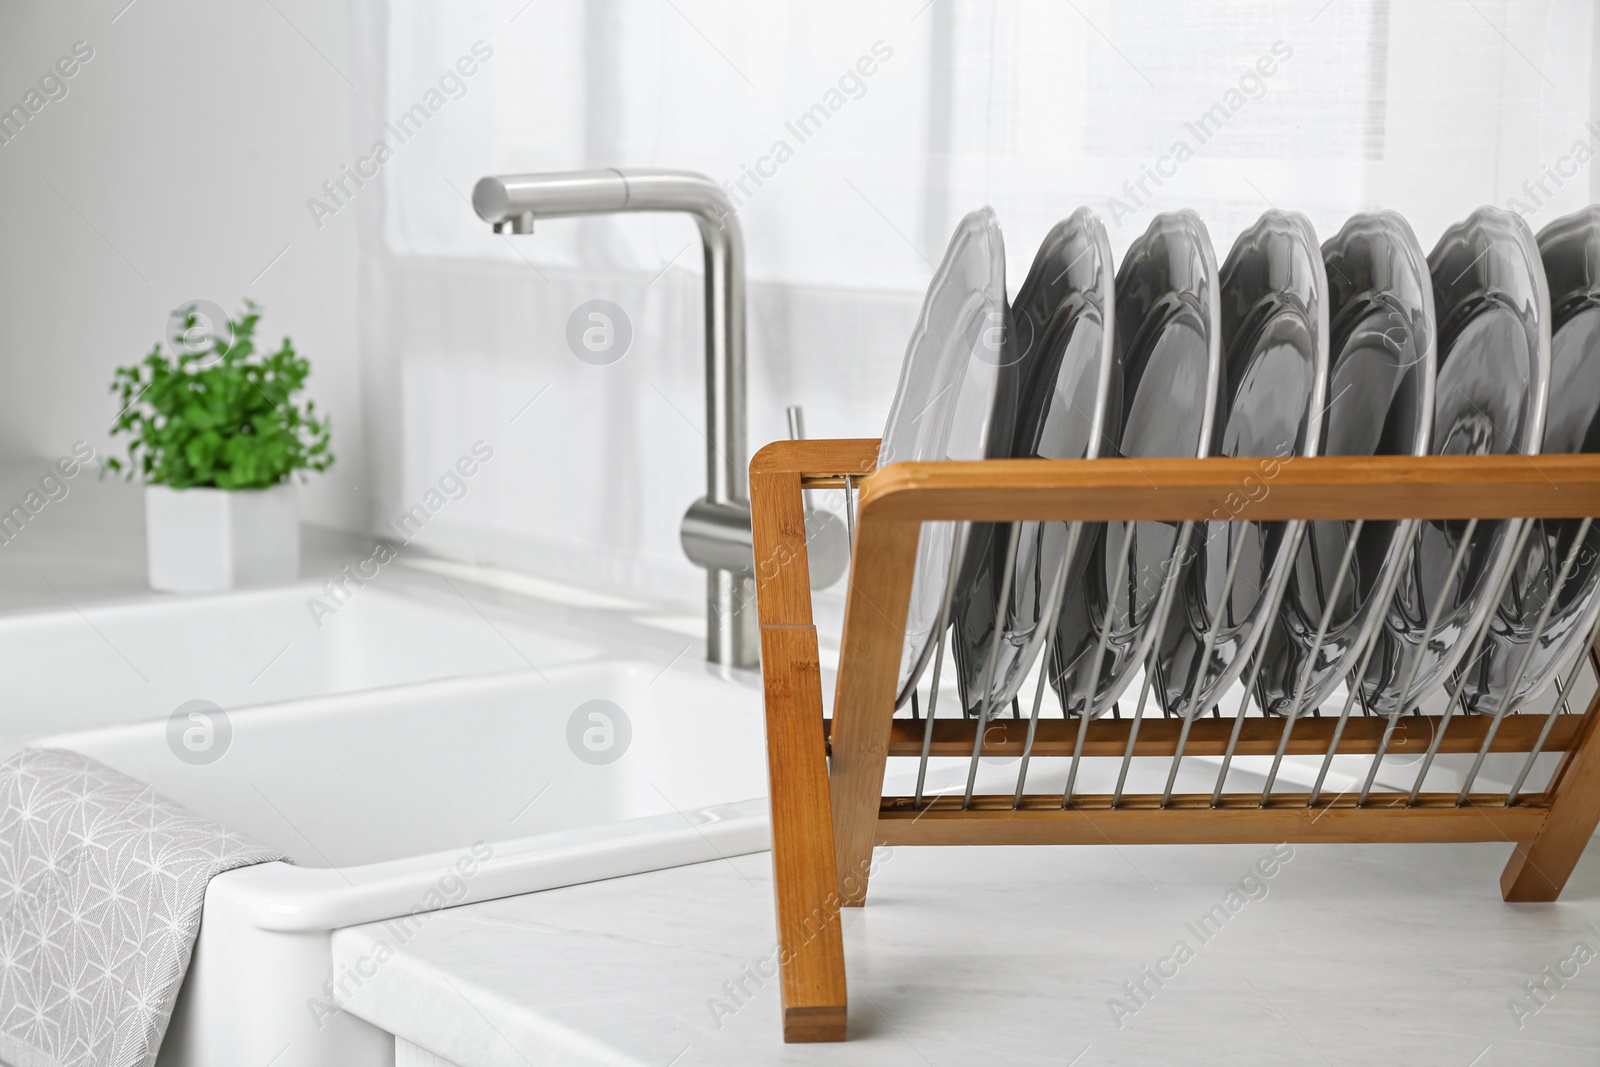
{"points": [[507, 198], [513, 202]]}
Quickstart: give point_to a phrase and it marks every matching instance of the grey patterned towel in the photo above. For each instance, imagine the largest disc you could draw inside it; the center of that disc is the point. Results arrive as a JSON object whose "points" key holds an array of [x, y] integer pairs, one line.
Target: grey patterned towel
{"points": [[101, 884]]}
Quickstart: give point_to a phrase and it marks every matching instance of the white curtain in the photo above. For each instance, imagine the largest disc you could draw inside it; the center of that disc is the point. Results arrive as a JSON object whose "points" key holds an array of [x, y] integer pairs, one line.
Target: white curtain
{"points": [[852, 137]]}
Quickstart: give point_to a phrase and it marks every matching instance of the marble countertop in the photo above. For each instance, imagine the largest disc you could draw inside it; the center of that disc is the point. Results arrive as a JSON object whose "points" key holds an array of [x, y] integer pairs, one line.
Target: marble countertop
{"points": [[1080, 956]]}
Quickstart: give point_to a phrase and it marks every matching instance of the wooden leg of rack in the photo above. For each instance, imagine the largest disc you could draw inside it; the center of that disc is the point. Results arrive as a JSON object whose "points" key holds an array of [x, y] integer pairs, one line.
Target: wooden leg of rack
{"points": [[1539, 868], [863, 704], [811, 950]]}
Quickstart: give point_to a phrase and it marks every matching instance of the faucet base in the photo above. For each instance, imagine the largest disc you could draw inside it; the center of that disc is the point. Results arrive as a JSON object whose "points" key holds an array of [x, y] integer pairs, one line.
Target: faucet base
{"points": [[733, 636]]}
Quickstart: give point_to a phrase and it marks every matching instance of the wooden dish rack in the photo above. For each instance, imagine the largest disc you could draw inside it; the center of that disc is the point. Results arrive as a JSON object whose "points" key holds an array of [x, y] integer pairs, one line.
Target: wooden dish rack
{"points": [[827, 776]]}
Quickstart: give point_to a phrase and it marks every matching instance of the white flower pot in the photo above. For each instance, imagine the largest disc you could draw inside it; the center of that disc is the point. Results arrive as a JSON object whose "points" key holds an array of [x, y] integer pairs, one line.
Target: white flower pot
{"points": [[207, 540]]}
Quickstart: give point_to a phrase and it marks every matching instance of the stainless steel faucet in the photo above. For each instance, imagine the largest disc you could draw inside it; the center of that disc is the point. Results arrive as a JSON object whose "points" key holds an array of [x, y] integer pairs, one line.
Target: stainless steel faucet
{"points": [[716, 530]]}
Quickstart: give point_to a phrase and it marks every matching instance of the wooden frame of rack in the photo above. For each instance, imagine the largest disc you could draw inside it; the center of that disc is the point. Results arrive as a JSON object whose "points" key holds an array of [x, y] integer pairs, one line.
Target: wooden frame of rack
{"points": [[827, 777]]}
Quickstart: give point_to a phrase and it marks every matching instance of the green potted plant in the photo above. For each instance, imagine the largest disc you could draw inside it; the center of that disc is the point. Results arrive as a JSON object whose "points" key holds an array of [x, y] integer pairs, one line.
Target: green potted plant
{"points": [[216, 435]]}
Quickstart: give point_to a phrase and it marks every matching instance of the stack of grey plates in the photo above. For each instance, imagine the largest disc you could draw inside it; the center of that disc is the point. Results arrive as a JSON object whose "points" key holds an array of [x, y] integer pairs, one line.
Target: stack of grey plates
{"points": [[1359, 346]]}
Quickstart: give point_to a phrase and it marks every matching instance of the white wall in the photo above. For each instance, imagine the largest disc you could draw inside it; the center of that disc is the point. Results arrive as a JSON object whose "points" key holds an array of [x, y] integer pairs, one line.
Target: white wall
{"points": [[176, 168], [189, 145]]}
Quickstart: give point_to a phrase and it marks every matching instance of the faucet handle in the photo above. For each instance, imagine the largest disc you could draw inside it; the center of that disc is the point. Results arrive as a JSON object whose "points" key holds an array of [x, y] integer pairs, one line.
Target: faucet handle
{"points": [[827, 541]]}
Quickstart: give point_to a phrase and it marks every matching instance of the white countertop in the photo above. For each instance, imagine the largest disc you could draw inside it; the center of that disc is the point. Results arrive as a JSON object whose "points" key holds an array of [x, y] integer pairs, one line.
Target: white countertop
{"points": [[89, 547], [1355, 954]]}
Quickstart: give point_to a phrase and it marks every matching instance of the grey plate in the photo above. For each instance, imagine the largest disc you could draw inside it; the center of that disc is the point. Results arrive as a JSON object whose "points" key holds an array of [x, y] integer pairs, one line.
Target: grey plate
{"points": [[1169, 366], [1570, 250], [1275, 344], [945, 406], [1063, 324], [1493, 309], [1382, 331]]}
